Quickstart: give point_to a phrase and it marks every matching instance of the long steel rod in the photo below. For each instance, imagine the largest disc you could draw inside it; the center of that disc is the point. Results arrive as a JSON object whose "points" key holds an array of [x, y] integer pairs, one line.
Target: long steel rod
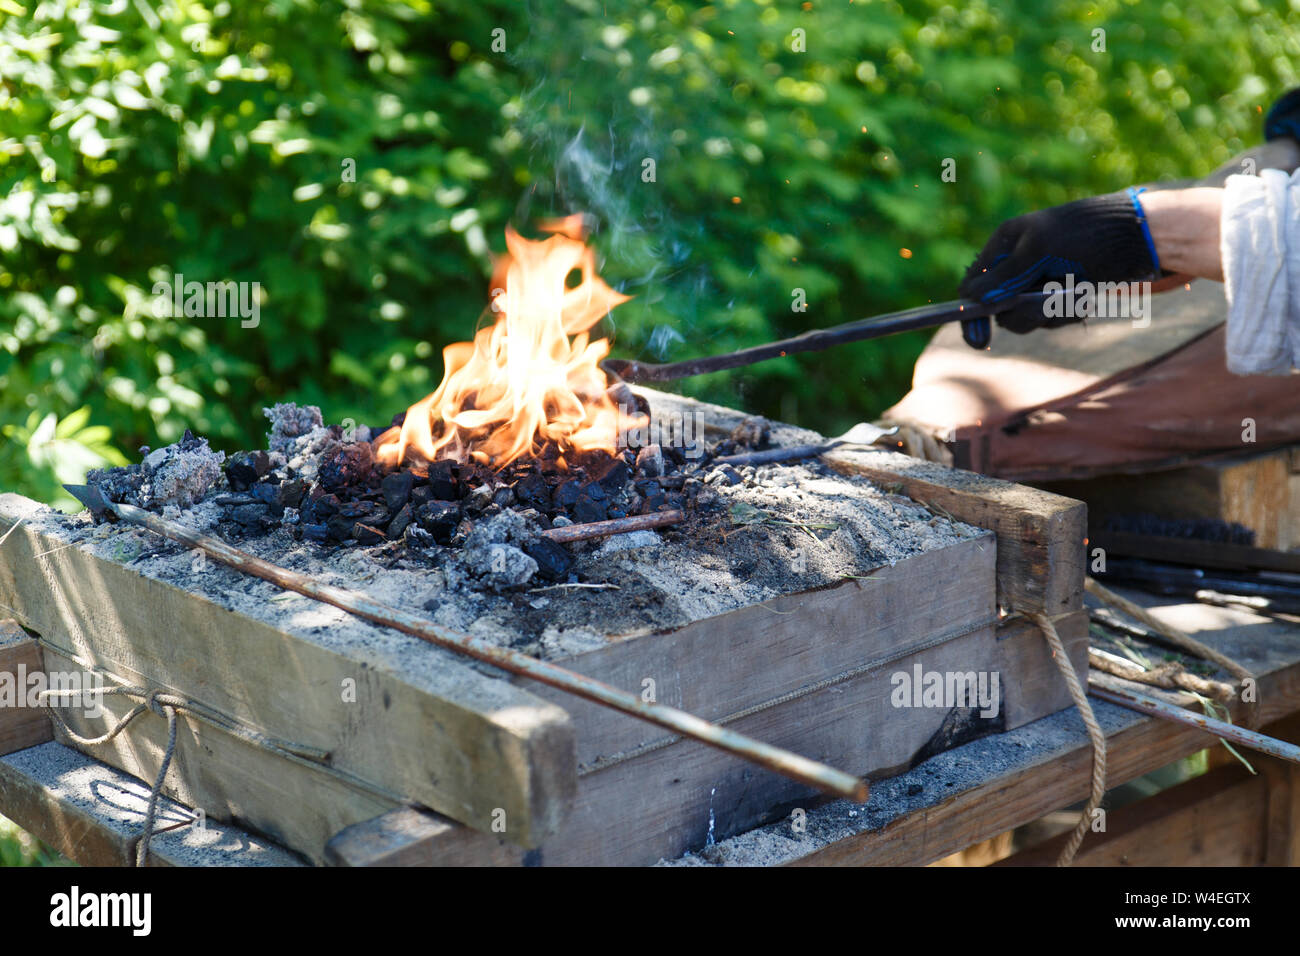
{"points": [[1180, 715], [817, 340], [827, 779]]}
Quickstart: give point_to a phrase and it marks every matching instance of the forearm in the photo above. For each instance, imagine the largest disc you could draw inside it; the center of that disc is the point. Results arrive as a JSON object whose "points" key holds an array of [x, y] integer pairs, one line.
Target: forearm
{"points": [[1184, 226]]}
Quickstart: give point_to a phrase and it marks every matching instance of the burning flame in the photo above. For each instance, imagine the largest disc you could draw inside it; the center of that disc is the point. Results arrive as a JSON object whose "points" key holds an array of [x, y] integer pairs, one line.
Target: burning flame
{"points": [[523, 383]]}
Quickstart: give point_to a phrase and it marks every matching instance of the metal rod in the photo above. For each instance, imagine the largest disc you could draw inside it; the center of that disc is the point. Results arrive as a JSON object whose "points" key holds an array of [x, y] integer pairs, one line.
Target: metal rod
{"points": [[773, 456], [827, 779], [1180, 715], [817, 340], [599, 529]]}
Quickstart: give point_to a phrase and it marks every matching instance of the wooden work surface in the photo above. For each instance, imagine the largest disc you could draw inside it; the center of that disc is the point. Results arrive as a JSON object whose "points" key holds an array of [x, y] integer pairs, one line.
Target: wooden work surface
{"points": [[984, 788]]}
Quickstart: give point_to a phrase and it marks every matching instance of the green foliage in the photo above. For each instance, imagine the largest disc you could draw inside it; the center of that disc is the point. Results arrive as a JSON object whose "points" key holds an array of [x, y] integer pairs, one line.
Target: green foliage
{"points": [[54, 452], [19, 848], [142, 141]]}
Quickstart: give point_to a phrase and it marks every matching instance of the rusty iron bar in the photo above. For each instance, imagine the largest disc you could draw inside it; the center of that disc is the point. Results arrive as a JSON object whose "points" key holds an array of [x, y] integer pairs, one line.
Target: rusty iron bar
{"points": [[820, 776], [1180, 715], [599, 529]]}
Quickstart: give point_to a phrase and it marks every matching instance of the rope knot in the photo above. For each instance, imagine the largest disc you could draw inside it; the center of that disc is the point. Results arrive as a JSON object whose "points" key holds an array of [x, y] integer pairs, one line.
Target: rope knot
{"points": [[154, 699]]}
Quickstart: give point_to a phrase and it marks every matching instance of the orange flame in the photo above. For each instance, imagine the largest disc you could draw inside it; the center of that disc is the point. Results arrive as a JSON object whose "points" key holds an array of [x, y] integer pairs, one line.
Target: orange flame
{"points": [[522, 383]]}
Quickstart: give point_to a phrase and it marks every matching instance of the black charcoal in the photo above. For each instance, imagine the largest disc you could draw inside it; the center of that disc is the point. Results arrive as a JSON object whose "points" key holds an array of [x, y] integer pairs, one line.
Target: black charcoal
{"points": [[442, 481], [240, 471], [566, 495], [531, 491], [616, 476], [553, 560], [365, 534], [349, 465], [397, 527], [650, 461], [397, 489]]}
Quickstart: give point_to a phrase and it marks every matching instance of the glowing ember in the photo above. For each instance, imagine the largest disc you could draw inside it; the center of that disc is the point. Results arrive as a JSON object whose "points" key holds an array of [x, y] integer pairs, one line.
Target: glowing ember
{"points": [[523, 383]]}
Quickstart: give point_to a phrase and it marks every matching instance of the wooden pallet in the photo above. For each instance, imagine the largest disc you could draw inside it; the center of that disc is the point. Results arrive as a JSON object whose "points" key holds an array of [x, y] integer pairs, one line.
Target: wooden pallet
{"points": [[579, 784]]}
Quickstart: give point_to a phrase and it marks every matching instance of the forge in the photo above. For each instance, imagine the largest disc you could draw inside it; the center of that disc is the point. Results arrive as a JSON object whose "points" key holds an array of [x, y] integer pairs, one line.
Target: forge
{"points": [[780, 599]]}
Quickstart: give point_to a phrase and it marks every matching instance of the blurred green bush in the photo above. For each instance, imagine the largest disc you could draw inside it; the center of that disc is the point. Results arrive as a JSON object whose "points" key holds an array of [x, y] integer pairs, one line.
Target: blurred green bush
{"points": [[19, 848], [144, 139]]}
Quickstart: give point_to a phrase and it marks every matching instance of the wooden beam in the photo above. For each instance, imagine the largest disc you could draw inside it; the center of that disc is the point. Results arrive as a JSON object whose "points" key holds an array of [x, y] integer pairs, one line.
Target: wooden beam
{"points": [[1040, 535], [93, 815], [1260, 491], [411, 837], [1216, 819], [21, 725], [396, 725], [1195, 551], [1042, 767], [1283, 847]]}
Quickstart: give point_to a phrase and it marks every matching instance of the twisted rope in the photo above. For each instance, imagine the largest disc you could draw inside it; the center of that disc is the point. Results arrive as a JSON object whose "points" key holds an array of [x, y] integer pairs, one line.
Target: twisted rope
{"points": [[164, 705], [1095, 734]]}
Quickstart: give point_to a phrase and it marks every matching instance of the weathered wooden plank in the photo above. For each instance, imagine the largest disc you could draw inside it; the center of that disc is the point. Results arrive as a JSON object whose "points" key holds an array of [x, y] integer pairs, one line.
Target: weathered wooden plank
{"points": [[1283, 833], [1194, 551], [1046, 765], [748, 658], [1217, 819], [1040, 534], [94, 815], [1260, 491], [1007, 800], [678, 790], [21, 725], [435, 730], [411, 837], [226, 777]]}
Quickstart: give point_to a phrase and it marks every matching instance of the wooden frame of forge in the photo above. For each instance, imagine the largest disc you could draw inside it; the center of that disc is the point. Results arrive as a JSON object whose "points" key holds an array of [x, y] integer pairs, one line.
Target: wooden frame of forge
{"points": [[57, 794], [542, 757]]}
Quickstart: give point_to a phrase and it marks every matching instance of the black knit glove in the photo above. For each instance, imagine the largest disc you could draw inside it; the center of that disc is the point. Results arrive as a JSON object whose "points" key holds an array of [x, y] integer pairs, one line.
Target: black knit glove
{"points": [[1284, 117], [1100, 239]]}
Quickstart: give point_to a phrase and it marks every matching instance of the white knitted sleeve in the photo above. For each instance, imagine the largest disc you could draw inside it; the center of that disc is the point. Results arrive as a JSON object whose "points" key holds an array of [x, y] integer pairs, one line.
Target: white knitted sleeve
{"points": [[1260, 244]]}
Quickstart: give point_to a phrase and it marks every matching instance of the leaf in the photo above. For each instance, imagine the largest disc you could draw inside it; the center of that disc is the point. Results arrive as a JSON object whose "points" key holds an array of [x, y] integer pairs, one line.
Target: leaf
{"points": [[742, 513]]}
